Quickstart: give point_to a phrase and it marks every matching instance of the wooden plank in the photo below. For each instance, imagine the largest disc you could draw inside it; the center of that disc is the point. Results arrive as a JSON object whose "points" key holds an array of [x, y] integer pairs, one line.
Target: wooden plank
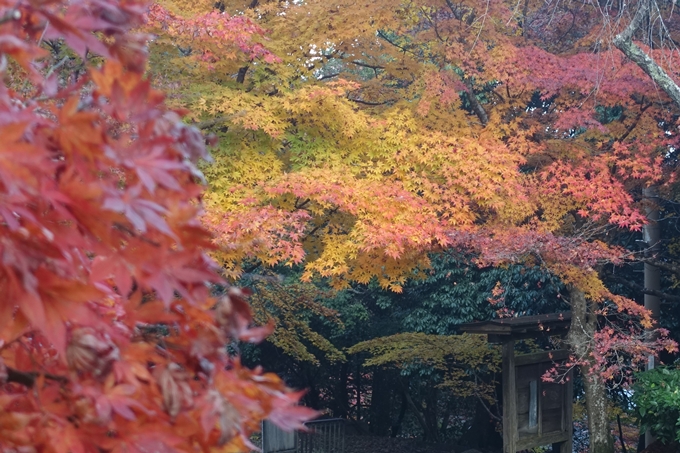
{"points": [[552, 396], [545, 356], [538, 441], [551, 420], [540, 409], [509, 399], [566, 447], [497, 338], [559, 447], [526, 373]]}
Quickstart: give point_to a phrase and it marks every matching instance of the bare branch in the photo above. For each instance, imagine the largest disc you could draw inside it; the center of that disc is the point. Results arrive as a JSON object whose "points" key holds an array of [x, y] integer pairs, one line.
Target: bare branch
{"points": [[624, 42]]}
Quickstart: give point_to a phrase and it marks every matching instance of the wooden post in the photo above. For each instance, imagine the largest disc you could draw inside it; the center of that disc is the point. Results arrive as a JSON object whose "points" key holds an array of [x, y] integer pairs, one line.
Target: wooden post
{"points": [[509, 398]]}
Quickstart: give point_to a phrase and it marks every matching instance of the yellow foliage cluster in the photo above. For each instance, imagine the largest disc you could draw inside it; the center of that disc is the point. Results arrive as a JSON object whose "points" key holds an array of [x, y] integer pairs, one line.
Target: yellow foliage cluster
{"points": [[291, 305], [458, 356]]}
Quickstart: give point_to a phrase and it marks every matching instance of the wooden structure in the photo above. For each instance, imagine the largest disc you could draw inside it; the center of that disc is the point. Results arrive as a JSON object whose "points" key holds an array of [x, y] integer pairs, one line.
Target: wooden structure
{"points": [[535, 413]]}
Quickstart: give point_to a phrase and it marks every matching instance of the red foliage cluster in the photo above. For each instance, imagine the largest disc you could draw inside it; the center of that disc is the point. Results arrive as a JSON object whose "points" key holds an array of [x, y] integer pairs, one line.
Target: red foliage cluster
{"points": [[214, 32], [101, 247]]}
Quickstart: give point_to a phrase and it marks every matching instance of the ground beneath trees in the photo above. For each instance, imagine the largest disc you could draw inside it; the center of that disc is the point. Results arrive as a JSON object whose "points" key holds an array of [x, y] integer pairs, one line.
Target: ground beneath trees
{"points": [[376, 444], [658, 447]]}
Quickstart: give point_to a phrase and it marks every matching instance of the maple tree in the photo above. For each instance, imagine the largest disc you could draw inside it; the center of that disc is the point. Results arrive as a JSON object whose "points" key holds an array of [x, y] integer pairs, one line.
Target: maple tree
{"points": [[456, 358], [109, 338], [360, 137]]}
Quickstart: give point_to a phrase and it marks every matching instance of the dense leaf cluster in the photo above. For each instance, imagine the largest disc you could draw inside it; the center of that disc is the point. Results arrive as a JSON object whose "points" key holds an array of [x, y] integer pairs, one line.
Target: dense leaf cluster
{"points": [[657, 403]]}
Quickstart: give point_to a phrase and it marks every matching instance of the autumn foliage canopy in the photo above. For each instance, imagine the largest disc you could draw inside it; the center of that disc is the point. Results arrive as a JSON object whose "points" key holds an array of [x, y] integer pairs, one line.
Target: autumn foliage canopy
{"points": [[109, 337], [356, 139], [353, 139]]}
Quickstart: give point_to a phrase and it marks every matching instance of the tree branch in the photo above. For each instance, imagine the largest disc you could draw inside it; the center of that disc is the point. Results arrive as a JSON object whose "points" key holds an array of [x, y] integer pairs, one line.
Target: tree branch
{"points": [[488, 411], [366, 65], [359, 101], [670, 267], [28, 378], [652, 292], [624, 42], [640, 14], [476, 106], [630, 128], [403, 48], [142, 238], [252, 267], [328, 76], [209, 123]]}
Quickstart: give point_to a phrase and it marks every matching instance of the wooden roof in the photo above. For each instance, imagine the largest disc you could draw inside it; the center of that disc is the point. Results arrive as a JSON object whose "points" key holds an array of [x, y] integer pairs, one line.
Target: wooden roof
{"points": [[503, 329]]}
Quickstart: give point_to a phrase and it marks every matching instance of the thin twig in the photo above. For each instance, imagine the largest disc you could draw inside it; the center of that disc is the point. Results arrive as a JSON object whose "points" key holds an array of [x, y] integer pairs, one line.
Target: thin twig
{"points": [[652, 292], [359, 101]]}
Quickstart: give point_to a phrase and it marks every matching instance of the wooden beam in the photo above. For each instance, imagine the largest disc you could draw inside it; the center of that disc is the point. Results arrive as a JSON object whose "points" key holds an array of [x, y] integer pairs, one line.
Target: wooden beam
{"points": [[545, 356], [554, 332], [536, 441]]}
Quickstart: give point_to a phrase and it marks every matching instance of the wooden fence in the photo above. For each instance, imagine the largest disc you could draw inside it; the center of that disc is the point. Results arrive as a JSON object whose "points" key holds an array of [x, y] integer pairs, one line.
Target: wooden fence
{"points": [[323, 436], [276, 440]]}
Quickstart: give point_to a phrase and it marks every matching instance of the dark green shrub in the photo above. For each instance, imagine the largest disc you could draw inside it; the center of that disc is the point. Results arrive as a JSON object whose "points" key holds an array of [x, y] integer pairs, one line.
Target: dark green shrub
{"points": [[657, 402]]}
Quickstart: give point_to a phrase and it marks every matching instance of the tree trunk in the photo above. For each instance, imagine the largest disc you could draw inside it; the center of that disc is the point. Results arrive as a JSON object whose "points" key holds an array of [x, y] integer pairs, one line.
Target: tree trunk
{"points": [[583, 325], [481, 433], [431, 413], [652, 273], [418, 412], [241, 76], [379, 412], [357, 381], [396, 427], [652, 236], [341, 393], [312, 395]]}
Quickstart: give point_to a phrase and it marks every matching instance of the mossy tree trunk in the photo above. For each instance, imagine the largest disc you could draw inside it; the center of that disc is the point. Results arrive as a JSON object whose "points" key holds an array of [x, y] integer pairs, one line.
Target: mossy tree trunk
{"points": [[583, 325]]}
